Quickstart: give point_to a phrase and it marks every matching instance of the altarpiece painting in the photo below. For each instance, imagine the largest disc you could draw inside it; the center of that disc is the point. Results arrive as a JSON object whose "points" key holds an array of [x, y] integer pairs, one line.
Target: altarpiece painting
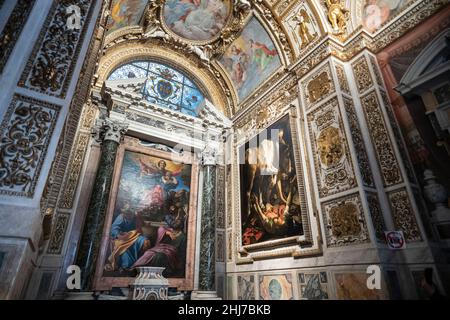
{"points": [[270, 198], [151, 217]]}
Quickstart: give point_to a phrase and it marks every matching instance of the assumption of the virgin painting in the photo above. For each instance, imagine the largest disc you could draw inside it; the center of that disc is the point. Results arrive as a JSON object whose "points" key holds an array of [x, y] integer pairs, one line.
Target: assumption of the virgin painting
{"points": [[197, 20], [270, 200], [149, 225], [251, 59]]}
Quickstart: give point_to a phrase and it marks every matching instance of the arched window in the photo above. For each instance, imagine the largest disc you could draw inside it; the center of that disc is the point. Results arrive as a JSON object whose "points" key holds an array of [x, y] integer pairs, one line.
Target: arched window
{"points": [[164, 86]]}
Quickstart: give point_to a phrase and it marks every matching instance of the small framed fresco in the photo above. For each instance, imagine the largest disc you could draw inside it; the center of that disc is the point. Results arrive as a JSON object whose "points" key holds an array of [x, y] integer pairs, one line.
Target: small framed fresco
{"points": [[273, 209], [151, 217]]}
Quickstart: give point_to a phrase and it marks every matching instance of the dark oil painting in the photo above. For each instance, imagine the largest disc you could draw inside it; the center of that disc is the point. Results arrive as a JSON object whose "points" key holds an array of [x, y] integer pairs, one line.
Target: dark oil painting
{"points": [[270, 201]]}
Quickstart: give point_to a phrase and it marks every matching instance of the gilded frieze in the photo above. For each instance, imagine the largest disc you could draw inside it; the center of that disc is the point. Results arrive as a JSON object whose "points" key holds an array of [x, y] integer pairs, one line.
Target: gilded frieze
{"points": [[381, 140], [344, 222], [330, 148], [25, 133], [403, 215], [362, 74], [50, 67], [358, 142]]}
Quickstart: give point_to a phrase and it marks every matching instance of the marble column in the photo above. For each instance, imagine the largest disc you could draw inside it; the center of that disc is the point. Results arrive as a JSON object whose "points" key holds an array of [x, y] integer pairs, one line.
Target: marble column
{"points": [[109, 133], [207, 274]]}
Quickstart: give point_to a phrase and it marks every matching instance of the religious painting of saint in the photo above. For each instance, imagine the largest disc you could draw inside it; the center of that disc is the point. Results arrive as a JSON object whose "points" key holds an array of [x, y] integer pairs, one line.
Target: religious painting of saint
{"points": [[378, 12], [251, 59], [197, 20], [125, 13], [148, 223], [270, 199]]}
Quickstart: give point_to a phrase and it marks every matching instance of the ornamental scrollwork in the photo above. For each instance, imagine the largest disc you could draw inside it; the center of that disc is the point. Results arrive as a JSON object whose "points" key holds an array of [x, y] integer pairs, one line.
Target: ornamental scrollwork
{"points": [[25, 134]]}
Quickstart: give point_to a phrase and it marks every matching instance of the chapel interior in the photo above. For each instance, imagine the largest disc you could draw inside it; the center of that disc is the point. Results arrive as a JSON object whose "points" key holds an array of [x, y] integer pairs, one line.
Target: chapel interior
{"points": [[224, 149]]}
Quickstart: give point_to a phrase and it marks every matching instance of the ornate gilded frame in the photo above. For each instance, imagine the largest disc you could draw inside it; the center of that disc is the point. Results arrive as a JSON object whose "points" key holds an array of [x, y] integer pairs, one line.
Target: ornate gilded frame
{"points": [[291, 246], [186, 283]]}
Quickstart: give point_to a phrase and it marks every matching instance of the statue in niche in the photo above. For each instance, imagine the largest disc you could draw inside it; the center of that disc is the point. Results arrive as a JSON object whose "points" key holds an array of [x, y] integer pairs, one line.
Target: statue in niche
{"points": [[338, 15], [303, 22]]}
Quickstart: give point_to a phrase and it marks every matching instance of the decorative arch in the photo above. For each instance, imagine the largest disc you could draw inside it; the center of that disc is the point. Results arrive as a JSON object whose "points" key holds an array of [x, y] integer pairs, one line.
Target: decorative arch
{"points": [[433, 61], [127, 52]]}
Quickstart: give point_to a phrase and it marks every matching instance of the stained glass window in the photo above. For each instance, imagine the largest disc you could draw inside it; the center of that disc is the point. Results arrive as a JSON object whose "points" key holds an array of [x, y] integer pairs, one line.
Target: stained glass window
{"points": [[164, 86]]}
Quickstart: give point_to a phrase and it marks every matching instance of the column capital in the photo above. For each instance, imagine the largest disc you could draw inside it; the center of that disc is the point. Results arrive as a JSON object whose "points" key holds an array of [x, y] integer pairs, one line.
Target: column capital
{"points": [[109, 130]]}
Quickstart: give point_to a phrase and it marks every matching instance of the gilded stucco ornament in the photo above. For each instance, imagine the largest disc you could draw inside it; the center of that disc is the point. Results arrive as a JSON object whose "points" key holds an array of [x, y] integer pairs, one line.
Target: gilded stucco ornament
{"points": [[338, 16], [303, 20]]}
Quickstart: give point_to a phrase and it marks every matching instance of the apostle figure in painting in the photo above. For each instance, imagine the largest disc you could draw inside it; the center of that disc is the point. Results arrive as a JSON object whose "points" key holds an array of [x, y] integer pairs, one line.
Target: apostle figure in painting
{"points": [[127, 242], [168, 251]]}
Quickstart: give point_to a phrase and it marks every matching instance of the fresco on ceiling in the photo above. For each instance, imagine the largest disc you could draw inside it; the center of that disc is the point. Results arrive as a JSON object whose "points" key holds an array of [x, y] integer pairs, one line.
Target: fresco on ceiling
{"points": [[125, 13], [197, 20], [270, 200], [149, 225], [251, 59], [377, 12]]}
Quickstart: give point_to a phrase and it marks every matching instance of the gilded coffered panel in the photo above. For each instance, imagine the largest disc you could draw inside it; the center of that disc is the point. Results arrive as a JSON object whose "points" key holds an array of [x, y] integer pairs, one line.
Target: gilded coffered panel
{"points": [[344, 222], [403, 215], [380, 138], [25, 135], [50, 67], [376, 215], [332, 158], [13, 29], [319, 86], [358, 142], [302, 26], [362, 74]]}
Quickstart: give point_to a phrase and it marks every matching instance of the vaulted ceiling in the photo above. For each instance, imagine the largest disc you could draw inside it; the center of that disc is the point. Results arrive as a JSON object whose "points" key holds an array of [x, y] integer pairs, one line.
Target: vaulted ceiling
{"points": [[246, 47]]}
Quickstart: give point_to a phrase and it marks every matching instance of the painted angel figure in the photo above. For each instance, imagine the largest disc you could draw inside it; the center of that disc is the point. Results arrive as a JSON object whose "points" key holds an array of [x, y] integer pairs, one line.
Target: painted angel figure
{"points": [[303, 20], [338, 15]]}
